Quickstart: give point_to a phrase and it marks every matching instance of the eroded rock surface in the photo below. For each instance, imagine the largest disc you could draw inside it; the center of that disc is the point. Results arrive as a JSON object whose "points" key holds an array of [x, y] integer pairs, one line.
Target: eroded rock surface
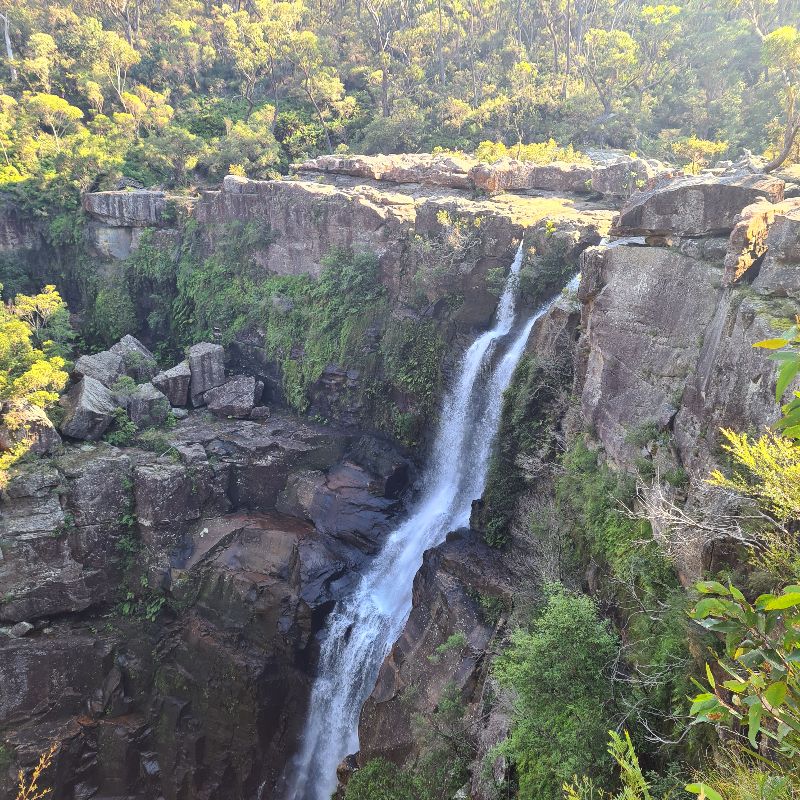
{"points": [[89, 409], [199, 687], [698, 206]]}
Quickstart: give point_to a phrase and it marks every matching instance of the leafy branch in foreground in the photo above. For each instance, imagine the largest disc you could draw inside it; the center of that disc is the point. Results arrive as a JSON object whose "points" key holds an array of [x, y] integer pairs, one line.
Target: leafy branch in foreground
{"points": [[786, 351], [757, 681]]}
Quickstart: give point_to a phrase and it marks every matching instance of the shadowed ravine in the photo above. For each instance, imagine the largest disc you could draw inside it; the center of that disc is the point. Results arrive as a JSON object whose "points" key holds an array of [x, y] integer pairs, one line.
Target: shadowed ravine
{"points": [[363, 627]]}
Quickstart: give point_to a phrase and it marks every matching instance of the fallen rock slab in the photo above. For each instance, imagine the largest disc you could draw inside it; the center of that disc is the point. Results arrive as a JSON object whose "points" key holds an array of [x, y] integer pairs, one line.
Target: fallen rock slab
{"points": [[207, 366], [147, 406], [235, 398], [509, 175], [106, 367], [697, 206], [174, 383], [137, 361], [89, 408]]}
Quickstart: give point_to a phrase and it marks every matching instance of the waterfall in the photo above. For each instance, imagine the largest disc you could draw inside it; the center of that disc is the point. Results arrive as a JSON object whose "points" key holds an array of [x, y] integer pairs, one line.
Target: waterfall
{"points": [[364, 625]]}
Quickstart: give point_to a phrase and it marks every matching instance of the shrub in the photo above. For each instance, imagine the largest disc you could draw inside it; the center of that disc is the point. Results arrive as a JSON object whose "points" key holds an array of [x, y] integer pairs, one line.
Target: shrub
{"points": [[122, 431], [563, 695], [381, 780], [767, 470], [536, 152]]}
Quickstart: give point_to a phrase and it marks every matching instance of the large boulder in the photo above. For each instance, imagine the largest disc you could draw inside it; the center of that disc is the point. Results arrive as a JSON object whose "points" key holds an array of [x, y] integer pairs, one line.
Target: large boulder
{"points": [[698, 206], [207, 366], [106, 367], [138, 362], [507, 174], [133, 209], [174, 383], [621, 179], [147, 406], [36, 429], [89, 408], [235, 398]]}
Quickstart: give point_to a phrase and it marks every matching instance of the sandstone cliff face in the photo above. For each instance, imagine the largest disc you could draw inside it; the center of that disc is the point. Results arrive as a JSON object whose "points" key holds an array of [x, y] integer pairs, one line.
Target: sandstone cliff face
{"points": [[172, 608], [250, 530], [118, 218], [665, 354], [668, 331], [306, 219]]}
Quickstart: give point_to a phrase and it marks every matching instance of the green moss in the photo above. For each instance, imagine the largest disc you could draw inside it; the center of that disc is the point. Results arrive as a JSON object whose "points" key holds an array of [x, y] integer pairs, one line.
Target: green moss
{"points": [[531, 406]]}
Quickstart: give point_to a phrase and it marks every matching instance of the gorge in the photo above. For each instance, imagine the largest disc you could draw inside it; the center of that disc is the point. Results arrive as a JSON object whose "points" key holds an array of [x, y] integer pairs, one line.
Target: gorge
{"points": [[299, 586]]}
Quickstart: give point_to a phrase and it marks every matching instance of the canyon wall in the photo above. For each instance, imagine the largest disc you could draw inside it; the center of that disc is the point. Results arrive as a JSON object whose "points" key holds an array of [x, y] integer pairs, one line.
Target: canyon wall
{"points": [[159, 607]]}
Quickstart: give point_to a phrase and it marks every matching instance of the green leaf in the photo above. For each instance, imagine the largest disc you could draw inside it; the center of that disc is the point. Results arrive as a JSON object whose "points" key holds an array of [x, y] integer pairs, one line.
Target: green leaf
{"points": [[752, 659], [788, 420], [791, 405], [754, 722], [704, 791], [775, 693], [771, 344], [789, 600], [786, 375], [708, 606], [711, 587], [710, 677], [792, 432], [735, 593], [703, 703], [735, 686]]}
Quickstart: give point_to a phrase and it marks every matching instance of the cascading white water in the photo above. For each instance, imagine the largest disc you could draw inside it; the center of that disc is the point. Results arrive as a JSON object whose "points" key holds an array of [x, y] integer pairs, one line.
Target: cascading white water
{"points": [[362, 628]]}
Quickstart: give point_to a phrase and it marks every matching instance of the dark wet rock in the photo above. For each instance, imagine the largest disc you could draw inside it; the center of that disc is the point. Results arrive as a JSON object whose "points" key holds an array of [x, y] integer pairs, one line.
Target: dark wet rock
{"points": [[343, 503], [234, 398], [380, 458], [89, 410], [415, 674], [260, 413], [207, 365], [260, 456], [174, 383]]}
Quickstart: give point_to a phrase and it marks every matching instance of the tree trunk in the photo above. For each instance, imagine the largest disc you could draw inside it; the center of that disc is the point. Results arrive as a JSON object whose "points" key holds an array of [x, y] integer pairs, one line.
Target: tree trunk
{"points": [[442, 76], [792, 131], [9, 52], [386, 111]]}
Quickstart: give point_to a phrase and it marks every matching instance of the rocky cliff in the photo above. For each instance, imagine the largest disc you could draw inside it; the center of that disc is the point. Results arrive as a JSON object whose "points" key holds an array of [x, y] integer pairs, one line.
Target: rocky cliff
{"points": [[160, 606], [657, 351]]}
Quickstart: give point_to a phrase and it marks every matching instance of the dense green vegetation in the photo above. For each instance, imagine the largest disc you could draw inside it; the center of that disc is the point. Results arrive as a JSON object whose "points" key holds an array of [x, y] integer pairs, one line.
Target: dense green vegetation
{"points": [[560, 673], [178, 93], [212, 286], [34, 332]]}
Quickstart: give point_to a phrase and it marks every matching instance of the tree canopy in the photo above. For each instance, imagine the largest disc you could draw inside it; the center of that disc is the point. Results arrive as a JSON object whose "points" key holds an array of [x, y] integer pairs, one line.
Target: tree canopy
{"points": [[178, 92]]}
